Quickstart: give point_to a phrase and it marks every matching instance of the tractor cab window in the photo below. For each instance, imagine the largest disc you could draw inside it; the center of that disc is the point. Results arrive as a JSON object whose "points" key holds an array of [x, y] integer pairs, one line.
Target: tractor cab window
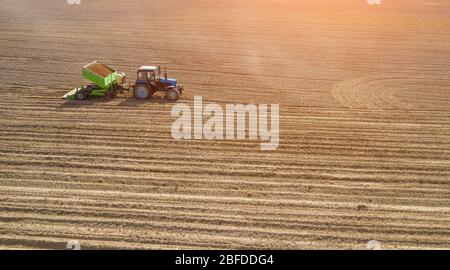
{"points": [[151, 75], [142, 75], [147, 75]]}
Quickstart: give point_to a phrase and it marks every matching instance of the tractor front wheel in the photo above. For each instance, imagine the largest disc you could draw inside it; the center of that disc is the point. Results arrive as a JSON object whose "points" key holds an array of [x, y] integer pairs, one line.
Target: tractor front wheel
{"points": [[141, 92], [172, 94]]}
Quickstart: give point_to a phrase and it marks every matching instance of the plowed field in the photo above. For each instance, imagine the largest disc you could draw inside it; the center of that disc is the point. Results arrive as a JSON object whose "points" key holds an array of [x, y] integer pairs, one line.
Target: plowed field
{"points": [[364, 154]]}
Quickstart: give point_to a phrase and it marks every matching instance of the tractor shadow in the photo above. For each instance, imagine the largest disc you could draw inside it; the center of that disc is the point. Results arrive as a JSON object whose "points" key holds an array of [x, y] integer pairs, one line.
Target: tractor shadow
{"points": [[83, 103], [132, 102], [123, 101], [91, 102]]}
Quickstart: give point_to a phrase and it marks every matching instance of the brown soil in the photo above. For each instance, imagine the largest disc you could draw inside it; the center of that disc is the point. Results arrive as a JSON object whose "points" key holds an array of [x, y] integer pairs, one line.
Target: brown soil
{"points": [[364, 149]]}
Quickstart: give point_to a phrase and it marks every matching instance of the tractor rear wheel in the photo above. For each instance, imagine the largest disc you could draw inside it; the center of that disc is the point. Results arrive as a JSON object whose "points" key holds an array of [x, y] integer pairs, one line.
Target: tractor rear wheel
{"points": [[141, 92], [172, 94], [80, 95]]}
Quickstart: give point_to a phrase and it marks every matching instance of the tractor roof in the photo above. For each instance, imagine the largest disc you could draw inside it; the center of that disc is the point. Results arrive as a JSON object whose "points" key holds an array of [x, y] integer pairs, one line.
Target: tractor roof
{"points": [[149, 68]]}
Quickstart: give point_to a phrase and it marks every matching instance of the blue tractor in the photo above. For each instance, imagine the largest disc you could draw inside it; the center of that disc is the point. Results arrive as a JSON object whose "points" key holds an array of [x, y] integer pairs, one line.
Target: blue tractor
{"points": [[149, 81]]}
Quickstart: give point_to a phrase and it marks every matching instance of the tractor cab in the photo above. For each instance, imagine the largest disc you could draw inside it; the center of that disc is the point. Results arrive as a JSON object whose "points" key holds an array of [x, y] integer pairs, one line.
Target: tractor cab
{"points": [[148, 74]]}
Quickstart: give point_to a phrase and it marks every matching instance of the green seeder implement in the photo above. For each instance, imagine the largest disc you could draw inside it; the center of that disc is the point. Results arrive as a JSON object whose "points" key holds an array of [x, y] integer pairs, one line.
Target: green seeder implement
{"points": [[106, 82]]}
